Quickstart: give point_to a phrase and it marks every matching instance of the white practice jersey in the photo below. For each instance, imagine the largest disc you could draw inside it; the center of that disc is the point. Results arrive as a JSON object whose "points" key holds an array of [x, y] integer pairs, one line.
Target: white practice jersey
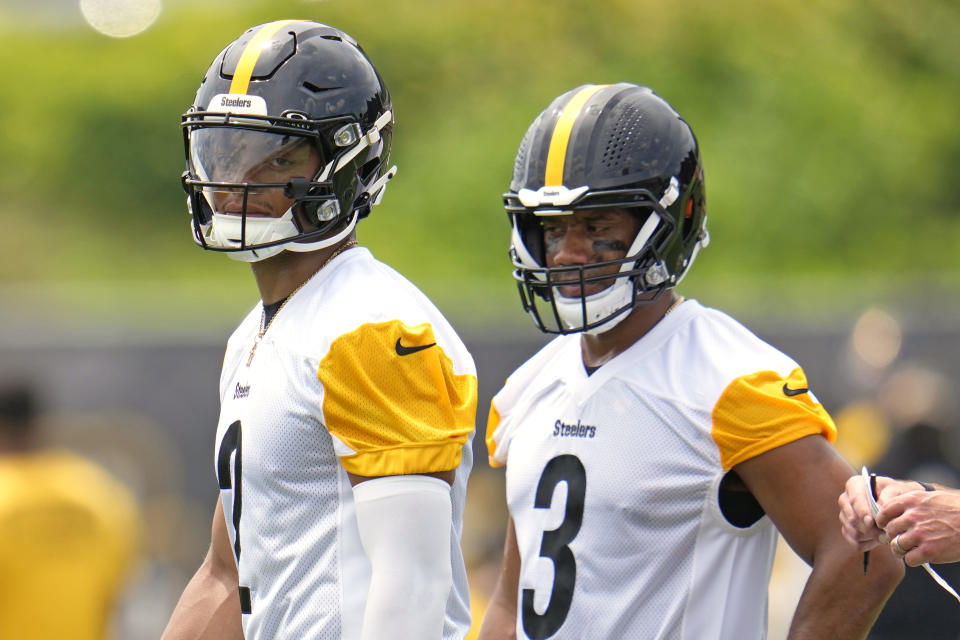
{"points": [[359, 373], [612, 480]]}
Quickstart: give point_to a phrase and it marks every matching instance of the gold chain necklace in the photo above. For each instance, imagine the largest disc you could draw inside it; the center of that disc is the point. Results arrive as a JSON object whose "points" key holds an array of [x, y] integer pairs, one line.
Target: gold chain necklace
{"points": [[263, 312], [673, 305]]}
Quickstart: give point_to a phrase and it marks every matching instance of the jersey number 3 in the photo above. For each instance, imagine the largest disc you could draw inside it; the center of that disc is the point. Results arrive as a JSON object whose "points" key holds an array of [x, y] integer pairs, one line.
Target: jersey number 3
{"points": [[553, 545]]}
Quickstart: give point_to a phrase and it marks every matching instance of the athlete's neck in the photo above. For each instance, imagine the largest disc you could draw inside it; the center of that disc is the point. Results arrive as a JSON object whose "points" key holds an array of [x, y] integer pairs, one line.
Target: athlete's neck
{"points": [[280, 275], [597, 350]]}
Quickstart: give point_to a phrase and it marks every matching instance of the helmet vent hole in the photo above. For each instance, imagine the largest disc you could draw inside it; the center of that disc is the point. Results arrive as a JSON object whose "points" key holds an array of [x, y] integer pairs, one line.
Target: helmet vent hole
{"points": [[520, 162], [616, 157], [312, 87]]}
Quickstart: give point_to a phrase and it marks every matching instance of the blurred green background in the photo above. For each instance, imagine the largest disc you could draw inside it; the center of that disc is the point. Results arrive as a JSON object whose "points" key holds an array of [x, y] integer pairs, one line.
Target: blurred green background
{"points": [[830, 142], [828, 129]]}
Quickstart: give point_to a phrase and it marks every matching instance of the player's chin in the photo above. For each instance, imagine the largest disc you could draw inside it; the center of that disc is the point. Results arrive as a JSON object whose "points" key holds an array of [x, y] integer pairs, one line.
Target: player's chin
{"points": [[580, 291], [250, 213], [570, 291]]}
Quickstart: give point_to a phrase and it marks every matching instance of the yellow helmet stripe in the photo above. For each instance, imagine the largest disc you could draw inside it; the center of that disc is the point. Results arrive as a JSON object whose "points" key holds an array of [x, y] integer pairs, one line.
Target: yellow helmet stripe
{"points": [[557, 153], [250, 55]]}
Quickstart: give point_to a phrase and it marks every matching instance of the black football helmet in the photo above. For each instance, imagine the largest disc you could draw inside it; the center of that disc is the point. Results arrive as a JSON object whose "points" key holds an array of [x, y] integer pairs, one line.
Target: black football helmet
{"points": [[606, 146], [279, 95]]}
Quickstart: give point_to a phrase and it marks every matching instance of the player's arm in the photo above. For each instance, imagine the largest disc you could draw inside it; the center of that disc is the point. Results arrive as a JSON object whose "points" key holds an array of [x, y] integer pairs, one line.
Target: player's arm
{"points": [[500, 621], [209, 608], [404, 523], [797, 485], [400, 414]]}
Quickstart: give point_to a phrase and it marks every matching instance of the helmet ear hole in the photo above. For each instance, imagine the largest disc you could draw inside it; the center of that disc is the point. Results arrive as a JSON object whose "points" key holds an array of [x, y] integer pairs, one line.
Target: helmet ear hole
{"points": [[368, 172], [305, 216], [693, 212], [206, 211], [531, 232], [686, 227]]}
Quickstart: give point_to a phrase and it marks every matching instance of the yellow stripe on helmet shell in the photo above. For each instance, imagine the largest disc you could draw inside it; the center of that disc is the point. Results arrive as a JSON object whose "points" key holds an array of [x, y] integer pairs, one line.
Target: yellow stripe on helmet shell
{"points": [[557, 153], [248, 60]]}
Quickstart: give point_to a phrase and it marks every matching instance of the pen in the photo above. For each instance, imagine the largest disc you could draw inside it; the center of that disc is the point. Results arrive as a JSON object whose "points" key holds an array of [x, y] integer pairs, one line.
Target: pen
{"points": [[873, 492], [875, 509]]}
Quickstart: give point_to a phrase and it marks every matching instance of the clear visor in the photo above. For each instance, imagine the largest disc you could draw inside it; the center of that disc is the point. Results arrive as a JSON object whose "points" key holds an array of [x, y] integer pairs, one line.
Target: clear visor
{"points": [[234, 155]]}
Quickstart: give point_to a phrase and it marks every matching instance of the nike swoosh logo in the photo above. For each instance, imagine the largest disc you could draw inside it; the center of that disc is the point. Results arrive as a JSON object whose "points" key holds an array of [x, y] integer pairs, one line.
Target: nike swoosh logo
{"points": [[405, 351], [787, 391]]}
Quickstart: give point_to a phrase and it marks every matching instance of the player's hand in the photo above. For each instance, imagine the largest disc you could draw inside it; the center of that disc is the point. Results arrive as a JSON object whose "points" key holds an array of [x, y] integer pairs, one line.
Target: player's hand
{"points": [[924, 525]]}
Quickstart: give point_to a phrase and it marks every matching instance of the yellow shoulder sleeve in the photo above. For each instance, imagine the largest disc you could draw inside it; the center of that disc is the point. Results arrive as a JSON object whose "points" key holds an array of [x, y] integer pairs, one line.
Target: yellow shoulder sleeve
{"points": [[762, 411], [493, 421], [392, 397]]}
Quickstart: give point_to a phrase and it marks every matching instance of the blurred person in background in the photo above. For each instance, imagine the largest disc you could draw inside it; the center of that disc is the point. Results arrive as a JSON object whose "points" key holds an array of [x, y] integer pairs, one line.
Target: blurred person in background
{"points": [[69, 532], [347, 401], [653, 449]]}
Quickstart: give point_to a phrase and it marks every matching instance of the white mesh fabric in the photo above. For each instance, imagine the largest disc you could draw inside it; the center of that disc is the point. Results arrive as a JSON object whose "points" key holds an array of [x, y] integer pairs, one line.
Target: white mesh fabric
{"points": [[654, 557]]}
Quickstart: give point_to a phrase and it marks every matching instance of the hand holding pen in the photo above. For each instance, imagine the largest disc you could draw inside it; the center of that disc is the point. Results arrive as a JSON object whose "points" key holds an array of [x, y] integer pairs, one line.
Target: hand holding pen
{"points": [[870, 484], [859, 525]]}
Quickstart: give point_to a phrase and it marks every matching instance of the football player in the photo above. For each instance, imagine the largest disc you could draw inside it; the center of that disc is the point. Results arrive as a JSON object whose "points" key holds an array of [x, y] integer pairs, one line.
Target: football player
{"points": [[70, 532], [654, 448], [347, 400]]}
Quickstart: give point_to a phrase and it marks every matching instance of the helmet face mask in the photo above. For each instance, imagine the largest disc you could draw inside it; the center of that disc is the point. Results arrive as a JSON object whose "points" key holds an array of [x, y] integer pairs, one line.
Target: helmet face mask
{"points": [[597, 148], [277, 160]]}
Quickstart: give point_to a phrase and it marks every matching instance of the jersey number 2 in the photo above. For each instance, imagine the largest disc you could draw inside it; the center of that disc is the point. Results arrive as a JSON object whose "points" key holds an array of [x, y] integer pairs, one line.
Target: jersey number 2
{"points": [[565, 468], [232, 442]]}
